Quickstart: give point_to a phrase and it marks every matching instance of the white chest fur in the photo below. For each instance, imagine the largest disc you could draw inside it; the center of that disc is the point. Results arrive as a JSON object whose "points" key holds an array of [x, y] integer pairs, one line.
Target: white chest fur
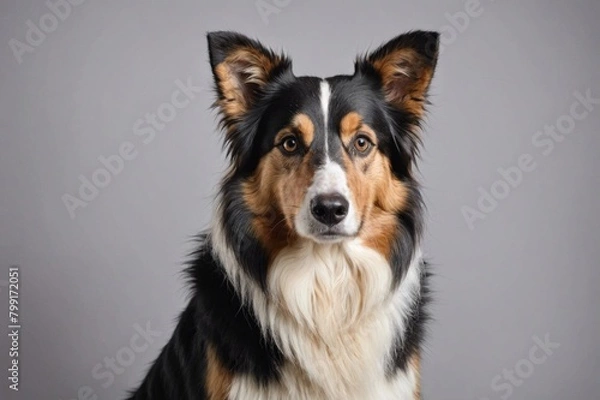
{"points": [[331, 311]]}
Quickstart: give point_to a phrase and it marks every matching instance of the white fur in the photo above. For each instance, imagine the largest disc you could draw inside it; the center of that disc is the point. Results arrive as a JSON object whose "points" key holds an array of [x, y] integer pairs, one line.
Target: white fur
{"points": [[330, 310], [328, 179], [325, 99], [402, 386]]}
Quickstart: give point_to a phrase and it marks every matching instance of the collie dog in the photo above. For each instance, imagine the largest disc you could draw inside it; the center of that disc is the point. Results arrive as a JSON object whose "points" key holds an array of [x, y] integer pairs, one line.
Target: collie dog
{"points": [[310, 283]]}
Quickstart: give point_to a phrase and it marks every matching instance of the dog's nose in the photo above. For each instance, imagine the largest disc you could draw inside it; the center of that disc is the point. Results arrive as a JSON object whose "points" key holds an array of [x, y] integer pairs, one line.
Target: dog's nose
{"points": [[329, 209]]}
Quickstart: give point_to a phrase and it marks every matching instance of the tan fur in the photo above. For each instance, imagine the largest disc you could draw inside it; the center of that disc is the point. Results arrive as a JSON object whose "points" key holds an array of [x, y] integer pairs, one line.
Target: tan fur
{"points": [[245, 66], [324, 300], [330, 307], [218, 379], [271, 197], [305, 127], [275, 192], [349, 125], [352, 124], [390, 197], [405, 78], [274, 195], [233, 103], [378, 195], [415, 364], [301, 126]]}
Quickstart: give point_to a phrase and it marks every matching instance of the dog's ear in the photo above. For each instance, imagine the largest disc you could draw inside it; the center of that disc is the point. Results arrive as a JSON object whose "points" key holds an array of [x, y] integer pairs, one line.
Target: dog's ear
{"points": [[405, 67], [242, 67]]}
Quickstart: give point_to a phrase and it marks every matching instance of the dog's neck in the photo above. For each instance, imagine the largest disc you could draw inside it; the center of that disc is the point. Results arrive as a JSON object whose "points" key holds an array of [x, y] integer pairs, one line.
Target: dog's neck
{"points": [[334, 310]]}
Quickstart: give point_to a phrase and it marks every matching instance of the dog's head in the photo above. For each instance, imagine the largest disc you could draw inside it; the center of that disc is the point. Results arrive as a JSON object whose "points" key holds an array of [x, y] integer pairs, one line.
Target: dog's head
{"points": [[325, 160]]}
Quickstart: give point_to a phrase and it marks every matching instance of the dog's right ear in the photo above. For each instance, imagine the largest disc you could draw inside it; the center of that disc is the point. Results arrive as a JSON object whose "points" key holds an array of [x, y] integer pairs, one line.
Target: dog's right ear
{"points": [[242, 67]]}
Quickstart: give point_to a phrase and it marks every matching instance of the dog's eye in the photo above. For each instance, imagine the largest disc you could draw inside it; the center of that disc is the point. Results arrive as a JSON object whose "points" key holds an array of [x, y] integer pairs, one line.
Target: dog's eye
{"points": [[290, 144], [362, 145]]}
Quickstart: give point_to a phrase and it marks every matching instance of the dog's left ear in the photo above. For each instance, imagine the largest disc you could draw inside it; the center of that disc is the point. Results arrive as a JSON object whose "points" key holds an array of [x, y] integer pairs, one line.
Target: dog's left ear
{"points": [[404, 67], [242, 68]]}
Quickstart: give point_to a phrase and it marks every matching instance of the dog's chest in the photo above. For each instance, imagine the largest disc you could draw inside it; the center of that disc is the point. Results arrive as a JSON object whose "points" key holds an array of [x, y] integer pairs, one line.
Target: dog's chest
{"points": [[356, 370], [401, 386], [332, 314]]}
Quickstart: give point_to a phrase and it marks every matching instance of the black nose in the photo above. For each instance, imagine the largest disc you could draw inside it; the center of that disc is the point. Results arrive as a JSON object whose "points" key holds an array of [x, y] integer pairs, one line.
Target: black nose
{"points": [[329, 209]]}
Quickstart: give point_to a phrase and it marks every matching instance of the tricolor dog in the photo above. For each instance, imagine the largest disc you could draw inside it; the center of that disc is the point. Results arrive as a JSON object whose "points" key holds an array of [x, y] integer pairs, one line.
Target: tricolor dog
{"points": [[310, 283]]}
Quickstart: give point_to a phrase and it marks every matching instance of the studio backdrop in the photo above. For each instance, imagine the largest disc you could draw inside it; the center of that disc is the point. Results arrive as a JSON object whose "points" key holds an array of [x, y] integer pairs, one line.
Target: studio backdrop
{"points": [[110, 154]]}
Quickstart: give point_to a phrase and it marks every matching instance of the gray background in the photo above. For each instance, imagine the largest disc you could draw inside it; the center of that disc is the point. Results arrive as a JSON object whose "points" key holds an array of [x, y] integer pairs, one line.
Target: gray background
{"points": [[530, 268]]}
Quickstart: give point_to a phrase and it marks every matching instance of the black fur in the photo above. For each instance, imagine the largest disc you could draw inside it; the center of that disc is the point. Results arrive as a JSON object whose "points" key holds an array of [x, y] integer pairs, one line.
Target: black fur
{"points": [[216, 314], [415, 327]]}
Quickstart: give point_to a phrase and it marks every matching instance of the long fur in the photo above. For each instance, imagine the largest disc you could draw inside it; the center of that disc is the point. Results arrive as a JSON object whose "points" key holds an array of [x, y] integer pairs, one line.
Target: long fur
{"points": [[277, 311]]}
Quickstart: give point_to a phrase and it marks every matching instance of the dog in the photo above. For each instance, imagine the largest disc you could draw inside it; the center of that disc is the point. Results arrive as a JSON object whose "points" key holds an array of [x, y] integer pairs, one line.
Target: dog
{"points": [[310, 282]]}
